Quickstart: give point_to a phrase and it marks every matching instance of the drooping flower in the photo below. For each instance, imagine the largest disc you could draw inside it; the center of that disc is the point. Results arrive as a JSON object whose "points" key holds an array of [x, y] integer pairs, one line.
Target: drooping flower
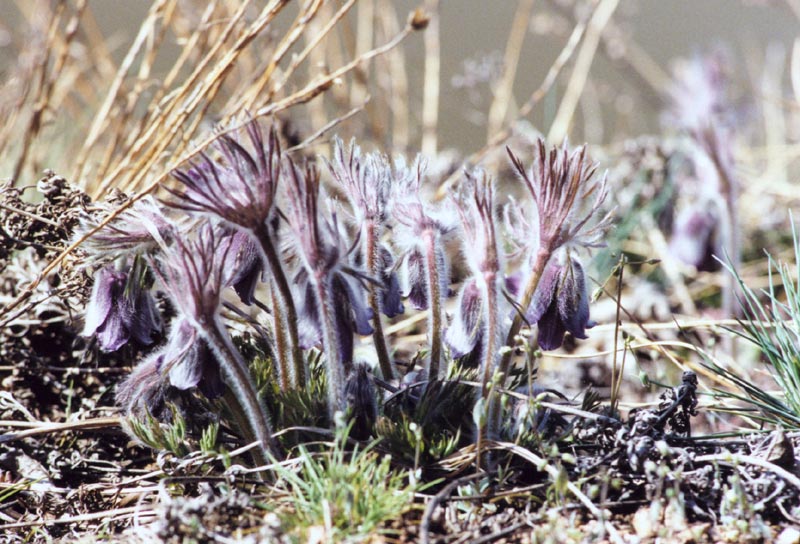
{"points": [[121, 308], [240, 191], [192, 271], [189, 362], [142, 392], [464, 335], [246, 264], [561, 303], [560, 183], [366, 181]]}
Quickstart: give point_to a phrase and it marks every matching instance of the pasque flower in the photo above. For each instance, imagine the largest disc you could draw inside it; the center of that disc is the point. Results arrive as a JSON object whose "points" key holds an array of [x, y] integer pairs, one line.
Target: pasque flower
{"points": [[366, 180], [240, 190], [192, 270], [480, 316], [121, 308], [245, 261], [424, 273], [561, 303], [560, 183], [189, 362], [333, 307]]}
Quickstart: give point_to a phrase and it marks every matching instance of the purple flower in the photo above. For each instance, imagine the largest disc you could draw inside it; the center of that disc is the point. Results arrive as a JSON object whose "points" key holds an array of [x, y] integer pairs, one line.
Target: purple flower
{"points": [[244, 258], [351, 315], [390, 294], [420, 230], [142, 393], [465, 335], [333, 306], [561, 304], [121, 309], [189, 362]]}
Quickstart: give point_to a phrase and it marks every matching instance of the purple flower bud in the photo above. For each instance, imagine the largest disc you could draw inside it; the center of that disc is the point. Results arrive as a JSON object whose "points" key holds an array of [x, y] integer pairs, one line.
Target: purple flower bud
{"points": [[189, 362], [561, 304], [119, 309], [362, 403]]}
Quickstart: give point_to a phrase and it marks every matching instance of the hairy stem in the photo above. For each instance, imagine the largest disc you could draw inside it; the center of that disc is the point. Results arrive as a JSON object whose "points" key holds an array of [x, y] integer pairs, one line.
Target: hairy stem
{"points": [[371, 252], [542, 257], [264, 238], [241, 382], [490, 349], [330, 341], [285, 377], [434, 304]]}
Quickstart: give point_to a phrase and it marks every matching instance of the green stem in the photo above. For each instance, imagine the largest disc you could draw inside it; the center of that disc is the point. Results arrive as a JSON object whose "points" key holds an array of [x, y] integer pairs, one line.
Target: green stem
{"points": [[262, 234], [281, 347], [371, 251], [434, 304], [542, 257], [330, 341], [240, 380], [495, 407], [490, 350]]}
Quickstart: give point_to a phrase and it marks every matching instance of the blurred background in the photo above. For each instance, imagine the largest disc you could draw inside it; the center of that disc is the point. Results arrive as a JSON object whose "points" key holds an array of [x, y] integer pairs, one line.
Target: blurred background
{"points": [[624, 92]]}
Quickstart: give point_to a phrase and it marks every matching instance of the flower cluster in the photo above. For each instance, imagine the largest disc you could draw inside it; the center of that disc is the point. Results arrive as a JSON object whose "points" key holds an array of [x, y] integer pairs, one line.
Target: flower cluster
{"points": [[264, 224]]}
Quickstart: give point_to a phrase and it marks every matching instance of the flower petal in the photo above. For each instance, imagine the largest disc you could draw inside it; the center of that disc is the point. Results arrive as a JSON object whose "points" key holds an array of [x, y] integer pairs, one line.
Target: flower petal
{"points": [[466, 330], [108, 285], [391, 302], [551, 329], [545, 292], [573, 300]]}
